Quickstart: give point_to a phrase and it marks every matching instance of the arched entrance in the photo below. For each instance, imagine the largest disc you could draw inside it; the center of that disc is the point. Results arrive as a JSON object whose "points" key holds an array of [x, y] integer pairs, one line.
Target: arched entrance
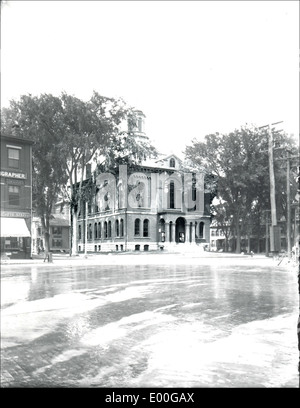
{"points": [[161, 231], [180, 230]]}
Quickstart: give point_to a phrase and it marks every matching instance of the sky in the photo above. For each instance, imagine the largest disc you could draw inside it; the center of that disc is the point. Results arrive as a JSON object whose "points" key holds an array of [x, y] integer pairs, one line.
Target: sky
{"points": [[192, 67]]}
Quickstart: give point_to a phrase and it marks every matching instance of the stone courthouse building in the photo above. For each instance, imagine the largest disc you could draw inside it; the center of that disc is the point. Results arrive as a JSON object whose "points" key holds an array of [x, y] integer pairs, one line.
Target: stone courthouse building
{"points": [[155, 206]]}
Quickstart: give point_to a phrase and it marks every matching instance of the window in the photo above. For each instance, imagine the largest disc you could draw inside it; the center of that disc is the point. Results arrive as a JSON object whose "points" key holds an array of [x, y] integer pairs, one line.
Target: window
{"points": [[105, 229], [90, 234], [79, 232], [137, 227], [172, 195], [13, 243], [194, 190], [95, 230], [146, 228], [56, 230], [109, 229], [56, 243], [172, 162], [99, 230], [14, 158], [201, 229], [13, 195], [122, 227], [117, 228]]}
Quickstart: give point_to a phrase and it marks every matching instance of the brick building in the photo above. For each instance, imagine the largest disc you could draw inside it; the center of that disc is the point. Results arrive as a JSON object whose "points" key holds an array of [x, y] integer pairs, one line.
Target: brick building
{"points": [[16, 196]]}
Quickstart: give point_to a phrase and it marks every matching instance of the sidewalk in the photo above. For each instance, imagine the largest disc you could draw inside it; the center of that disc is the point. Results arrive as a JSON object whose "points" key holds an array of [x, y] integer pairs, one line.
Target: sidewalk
{"points": [[156, 258]]}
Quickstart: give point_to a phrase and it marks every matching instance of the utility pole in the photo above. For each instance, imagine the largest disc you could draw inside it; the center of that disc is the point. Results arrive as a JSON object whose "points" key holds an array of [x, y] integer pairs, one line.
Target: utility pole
{"points": [[267, 231], [86, 229], [288, 204], [274, 229], [272, 179], [288, 159]]}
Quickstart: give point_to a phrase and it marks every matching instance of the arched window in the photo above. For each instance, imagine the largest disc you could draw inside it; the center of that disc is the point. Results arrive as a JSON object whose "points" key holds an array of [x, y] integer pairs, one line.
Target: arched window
{"points": [[99, 229], [122, 227], [146, 228], [117, 228], [137, 227], [172, 162], [79, 232], [201, 229], [172, 194], [95, 230], [105, 229], [109, 229]]}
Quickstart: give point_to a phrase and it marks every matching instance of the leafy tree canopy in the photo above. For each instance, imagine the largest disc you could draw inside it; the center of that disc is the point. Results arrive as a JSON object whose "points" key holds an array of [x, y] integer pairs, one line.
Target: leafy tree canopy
{"points": [[68, 133], [239, 160]]}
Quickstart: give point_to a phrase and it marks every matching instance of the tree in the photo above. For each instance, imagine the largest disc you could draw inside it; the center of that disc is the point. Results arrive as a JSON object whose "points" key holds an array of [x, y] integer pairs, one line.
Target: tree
{"points": [[38, 119], [240, 162], [68, 133]]}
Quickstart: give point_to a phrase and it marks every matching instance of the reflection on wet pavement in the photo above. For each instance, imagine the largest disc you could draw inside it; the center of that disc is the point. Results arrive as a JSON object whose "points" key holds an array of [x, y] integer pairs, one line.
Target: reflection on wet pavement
{"points": [[143, 326]]}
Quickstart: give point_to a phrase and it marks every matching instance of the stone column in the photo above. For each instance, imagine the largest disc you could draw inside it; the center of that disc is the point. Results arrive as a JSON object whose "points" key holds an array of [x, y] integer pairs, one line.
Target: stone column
{"points": [[187, 232], [193, 233], [167, 232], [173, 232]]}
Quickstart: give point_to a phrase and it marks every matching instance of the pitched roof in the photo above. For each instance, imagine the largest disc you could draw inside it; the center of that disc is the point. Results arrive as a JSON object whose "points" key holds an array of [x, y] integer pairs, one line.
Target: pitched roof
{"points": [[59, 221], [168, 157]]}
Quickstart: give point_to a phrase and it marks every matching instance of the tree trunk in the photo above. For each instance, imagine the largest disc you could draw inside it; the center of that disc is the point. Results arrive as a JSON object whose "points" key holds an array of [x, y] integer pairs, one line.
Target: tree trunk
{"points": [[238, 238], [226, 244], [258, 237], [46, 229], [249, 242], [74, 246]]}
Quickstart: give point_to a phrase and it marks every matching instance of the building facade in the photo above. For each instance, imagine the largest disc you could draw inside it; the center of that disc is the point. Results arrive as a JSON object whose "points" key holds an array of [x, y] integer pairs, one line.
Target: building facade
{"points": [[16, 197], [59, 235], [157, 206]]}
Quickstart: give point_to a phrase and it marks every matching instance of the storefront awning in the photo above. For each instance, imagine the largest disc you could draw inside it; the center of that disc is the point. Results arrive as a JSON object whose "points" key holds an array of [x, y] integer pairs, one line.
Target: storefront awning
{"points": [[14, 227]]}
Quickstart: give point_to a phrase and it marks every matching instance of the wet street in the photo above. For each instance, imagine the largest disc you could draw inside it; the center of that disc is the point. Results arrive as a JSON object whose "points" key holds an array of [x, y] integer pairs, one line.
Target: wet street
{"points": [[207, 324]]}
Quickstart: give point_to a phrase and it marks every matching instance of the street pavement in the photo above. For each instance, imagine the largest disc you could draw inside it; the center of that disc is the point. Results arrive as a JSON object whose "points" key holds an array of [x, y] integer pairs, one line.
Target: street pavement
{"points": [[149, 320]]}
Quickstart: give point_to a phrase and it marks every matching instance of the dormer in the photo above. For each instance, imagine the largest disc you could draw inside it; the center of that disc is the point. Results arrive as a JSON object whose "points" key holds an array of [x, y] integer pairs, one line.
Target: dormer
{"points": [[171, 162]]}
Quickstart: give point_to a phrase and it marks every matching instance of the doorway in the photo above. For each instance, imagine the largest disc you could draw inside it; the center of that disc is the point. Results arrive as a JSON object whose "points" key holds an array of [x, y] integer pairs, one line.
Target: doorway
{"points": [[180, 230]]}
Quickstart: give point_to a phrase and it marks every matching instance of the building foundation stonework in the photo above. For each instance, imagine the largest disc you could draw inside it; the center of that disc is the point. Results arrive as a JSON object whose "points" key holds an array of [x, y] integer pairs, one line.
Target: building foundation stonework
{"points": [[154, 207]]}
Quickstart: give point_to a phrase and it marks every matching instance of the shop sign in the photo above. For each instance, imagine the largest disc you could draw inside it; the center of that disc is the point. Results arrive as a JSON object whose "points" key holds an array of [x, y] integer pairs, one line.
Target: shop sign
{"points": [[15, 214], [12, 174]]}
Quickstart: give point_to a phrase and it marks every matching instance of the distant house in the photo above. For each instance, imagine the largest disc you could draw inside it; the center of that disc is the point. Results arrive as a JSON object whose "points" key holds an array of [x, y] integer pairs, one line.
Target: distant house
{"points": [[16, 196], [59, 231]]}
